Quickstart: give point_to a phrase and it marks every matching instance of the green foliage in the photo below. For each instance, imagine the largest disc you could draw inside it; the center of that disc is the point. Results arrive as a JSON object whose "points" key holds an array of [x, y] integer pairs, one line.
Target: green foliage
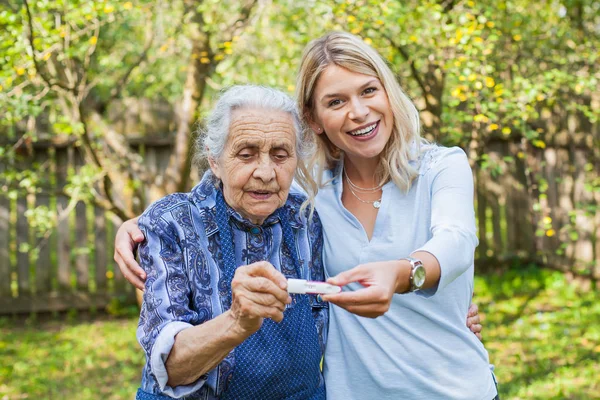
{"points": [[480, 71]]}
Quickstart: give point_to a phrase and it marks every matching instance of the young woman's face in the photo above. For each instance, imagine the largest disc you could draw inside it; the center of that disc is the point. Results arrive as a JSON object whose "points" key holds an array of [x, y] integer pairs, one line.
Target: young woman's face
{"points": [[354, 112]]}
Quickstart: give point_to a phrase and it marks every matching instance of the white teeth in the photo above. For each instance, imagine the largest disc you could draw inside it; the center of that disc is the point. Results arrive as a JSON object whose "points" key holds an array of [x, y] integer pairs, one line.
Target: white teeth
{"points": [[364, 131]]}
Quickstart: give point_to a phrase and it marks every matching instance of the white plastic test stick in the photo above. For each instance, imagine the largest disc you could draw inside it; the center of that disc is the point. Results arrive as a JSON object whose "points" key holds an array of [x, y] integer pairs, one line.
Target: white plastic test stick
{"points": [[302, 286]]}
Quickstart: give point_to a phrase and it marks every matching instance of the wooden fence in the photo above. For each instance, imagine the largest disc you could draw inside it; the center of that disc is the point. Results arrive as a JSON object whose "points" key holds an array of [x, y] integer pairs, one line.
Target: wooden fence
{"points": [[537, 191], [72, 267]]}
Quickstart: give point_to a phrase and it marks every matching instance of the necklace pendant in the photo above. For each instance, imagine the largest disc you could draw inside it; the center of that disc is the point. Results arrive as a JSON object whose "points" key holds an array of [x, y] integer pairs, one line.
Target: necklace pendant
{"points": [[377, 204]]}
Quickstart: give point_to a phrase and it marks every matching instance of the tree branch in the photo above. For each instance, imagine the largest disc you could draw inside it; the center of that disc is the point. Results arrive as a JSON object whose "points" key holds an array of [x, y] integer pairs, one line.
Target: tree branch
{"points": [[118, 89], [413, 69], [30, 37]]}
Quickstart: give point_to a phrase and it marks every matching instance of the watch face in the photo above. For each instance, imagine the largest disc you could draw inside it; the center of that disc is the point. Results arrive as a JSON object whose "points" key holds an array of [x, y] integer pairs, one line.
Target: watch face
{"points": [[419, 276]]}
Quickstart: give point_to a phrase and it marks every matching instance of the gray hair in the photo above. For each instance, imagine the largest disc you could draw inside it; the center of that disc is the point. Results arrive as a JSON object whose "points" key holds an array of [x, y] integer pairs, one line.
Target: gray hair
{"points": [[213, 137]]}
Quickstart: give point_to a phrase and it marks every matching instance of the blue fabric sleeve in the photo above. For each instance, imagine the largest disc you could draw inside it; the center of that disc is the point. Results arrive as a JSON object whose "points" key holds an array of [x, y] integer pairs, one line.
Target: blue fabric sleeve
{"points": [[166, 310]]}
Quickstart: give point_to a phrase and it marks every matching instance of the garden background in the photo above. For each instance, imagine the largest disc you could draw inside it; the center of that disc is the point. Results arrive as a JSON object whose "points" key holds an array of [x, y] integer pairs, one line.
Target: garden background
{"points": [[99, 106]]}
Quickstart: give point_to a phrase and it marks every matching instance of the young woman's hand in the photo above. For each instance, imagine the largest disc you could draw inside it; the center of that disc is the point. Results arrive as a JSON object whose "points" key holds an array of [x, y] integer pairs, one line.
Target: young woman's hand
{"points": [[126, 241], [380, 281]]}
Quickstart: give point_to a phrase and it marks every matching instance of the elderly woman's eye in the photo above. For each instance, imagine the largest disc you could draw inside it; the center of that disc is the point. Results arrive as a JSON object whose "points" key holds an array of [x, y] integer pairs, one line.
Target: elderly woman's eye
{"points": [[281, 155], [245, 155]]}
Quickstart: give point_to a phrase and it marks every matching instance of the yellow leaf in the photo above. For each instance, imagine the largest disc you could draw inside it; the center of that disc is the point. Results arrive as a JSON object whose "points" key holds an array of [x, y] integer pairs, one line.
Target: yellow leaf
{"points": [[108, 8], [205, 60], [1, 88], [235, 38], [379, 22], [478, 85], [356, 31], [47, 56], [478, 39], [487, 52], [499, 100], [228, 51], [462, 97], [218, 57], [540, 97], [368, 41], [517, 37], [227, 44], [472, 77], [539, 143], [490, 24], [291, 88], [457, 63], [204, 53], [547, 220], [351, 18], [109, 274], [550, 232], [413, 38], [456, 92], [493, 127], [521, 155], [62, 34], [489, 82], [127, 5], [93, 40], [462, 78], [20, 71], [506, 130], [480, 118], [163, 48]]}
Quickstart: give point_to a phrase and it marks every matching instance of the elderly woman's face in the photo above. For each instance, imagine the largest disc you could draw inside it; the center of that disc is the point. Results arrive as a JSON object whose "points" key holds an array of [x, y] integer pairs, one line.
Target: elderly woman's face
{"points": [[259, 161]]}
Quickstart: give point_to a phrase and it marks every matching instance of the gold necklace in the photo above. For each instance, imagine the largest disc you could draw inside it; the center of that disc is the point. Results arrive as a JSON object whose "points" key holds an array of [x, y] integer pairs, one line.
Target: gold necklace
{"points": [[374, 203]]}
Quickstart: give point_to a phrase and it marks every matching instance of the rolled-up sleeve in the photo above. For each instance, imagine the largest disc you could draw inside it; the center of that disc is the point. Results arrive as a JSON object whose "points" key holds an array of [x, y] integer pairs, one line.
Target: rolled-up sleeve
{"points": [[166, 308], [454, 236]]}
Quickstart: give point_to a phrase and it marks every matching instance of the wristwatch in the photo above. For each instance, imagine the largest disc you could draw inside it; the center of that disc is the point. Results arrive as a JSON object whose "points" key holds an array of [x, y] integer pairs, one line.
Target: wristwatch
{"points": [[417, 274]]}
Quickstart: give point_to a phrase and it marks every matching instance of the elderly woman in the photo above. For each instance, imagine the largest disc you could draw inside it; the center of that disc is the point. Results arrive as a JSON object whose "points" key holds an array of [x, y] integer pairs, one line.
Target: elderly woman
{"points": [[211, 329]]}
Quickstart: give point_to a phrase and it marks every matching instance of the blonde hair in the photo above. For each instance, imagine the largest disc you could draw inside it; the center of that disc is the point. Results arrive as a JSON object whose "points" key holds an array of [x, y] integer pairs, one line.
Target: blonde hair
{"points": [[350, 52]]}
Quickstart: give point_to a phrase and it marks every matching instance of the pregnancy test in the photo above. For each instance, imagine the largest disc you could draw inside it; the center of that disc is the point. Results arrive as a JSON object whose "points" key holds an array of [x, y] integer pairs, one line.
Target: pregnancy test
{"points": [[302, 286]]}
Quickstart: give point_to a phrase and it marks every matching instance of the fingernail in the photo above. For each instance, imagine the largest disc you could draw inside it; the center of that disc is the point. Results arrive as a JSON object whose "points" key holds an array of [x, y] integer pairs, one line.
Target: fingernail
{"points": [[289, 300]]}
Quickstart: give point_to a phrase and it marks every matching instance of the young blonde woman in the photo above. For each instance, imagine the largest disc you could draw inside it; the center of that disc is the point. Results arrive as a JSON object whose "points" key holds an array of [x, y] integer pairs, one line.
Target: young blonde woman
{"points": [[399, 235]]}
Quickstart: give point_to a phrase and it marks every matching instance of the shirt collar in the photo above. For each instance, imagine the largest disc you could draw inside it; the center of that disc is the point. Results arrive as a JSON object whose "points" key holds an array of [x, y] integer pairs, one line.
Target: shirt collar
{"points": [[204, 195]]}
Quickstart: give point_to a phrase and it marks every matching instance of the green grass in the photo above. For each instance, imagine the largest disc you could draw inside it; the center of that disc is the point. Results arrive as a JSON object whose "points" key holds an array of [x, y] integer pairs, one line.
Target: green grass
{"points": [[542, 335]]}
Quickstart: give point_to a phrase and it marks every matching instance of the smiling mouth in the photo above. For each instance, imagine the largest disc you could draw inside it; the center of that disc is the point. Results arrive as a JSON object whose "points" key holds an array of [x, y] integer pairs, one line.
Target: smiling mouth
{"points": [[367, 130]]}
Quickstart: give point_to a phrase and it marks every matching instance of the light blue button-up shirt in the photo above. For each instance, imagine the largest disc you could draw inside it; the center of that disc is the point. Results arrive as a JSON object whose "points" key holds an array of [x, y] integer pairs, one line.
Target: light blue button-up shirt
{"points": [[421, 348]]}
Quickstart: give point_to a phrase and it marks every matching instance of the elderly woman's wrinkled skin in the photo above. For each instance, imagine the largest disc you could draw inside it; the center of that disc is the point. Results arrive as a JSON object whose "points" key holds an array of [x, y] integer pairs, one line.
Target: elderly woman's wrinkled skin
{"points": [[258, 164]]}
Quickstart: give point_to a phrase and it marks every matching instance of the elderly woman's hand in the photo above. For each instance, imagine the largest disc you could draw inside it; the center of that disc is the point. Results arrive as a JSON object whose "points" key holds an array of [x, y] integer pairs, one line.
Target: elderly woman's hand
{"points": [[126, 241], [258, 291]]}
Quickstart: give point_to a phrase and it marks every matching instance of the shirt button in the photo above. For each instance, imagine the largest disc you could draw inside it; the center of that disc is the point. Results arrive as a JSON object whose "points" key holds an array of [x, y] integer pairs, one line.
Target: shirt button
{"points": [[255, 230]]}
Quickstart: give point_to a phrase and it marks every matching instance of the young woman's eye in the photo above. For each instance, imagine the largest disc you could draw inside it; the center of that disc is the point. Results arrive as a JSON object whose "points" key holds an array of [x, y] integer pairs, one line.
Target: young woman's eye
{"points": [[334, 103], [370, 90]]}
